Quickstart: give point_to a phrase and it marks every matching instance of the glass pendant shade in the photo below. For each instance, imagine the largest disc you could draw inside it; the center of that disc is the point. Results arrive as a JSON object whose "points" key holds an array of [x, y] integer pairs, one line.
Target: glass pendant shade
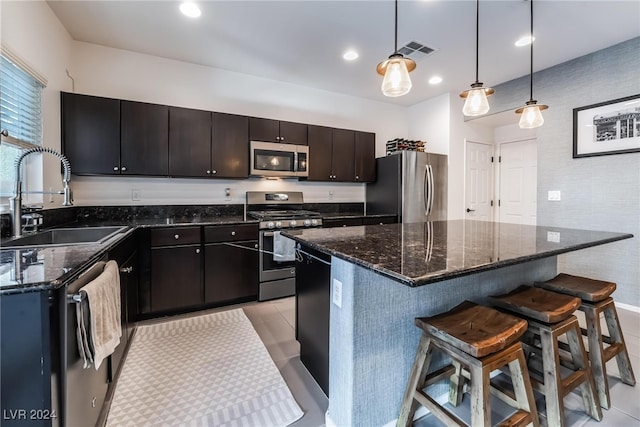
{"points": [[396, 80], [476, 103], [531, 116]]}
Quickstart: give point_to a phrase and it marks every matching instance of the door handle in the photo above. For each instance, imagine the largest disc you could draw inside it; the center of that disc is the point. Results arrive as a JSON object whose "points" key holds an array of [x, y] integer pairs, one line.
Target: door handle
{"points": [[470, 210]]}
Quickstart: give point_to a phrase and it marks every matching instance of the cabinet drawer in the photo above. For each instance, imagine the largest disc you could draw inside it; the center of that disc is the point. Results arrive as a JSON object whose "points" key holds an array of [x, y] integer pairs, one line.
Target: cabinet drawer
{"points": [[175, 236], [341, 222], [229, 233], [379, 220]]}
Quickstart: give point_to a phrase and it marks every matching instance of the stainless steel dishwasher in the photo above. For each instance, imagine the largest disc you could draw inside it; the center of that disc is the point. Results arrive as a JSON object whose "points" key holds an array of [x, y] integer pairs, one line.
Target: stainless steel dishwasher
{"points": [[84, 389]]}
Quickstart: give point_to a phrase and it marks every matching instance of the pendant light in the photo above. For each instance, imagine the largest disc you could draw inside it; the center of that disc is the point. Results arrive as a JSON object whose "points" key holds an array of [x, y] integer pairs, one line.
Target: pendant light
{"points": [[476, 103], [531, 113], [396, 70]]}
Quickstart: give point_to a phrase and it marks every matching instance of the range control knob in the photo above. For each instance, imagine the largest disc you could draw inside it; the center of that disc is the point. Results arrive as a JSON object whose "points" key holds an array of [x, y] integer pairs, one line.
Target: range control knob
{"points": [[270, 225], [307, 222], [314, 222], [278, 224], [293, 223]]}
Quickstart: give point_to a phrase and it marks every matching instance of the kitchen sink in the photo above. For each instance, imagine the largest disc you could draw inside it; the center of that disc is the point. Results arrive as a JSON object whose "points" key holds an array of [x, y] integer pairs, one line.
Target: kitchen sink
{"points": [[65, 237]]}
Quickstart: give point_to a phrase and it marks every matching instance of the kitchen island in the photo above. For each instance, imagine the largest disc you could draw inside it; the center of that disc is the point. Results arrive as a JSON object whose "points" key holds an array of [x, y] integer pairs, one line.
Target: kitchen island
{"points": [[384, 276]]}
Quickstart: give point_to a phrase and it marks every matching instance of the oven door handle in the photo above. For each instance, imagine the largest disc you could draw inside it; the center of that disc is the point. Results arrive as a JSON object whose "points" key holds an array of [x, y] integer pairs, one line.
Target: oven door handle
{"points": [[268, 233]]}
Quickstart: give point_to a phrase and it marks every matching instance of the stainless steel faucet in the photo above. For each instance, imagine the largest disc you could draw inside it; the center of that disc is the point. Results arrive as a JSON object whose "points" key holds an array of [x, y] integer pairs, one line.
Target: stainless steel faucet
{"points": [[16, 200]]}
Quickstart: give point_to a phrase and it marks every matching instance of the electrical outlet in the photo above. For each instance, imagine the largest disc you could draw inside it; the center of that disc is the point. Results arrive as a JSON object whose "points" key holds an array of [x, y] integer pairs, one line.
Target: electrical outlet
{"points": [[227, 194], [553, 237], [330, 195], [136, 195], [337, 293], [50, 194]]}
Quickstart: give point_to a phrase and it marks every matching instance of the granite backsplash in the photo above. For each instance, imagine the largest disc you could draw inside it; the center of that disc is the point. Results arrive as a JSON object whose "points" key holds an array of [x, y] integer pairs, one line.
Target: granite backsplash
{"points": [[73, 214]]}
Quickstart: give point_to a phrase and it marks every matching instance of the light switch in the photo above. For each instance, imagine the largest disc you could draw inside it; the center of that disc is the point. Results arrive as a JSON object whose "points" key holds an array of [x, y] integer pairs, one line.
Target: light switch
{"points": [[337, 293], [554, 195], [553, 237]]}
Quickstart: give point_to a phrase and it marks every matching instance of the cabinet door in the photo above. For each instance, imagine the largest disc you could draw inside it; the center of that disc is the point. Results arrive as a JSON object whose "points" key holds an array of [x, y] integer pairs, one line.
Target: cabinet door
{"points": [[176, 279], [320, 153], [128, 303], [91, 134], [230, 147], [343, 163], [189, 142], [231, 271], [293, 133], [266, 130], [365, 157], [144, 139]]}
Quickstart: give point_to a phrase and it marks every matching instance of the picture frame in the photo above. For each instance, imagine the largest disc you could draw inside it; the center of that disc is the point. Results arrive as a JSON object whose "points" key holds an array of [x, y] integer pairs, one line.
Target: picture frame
{"points": [[610, 127]]}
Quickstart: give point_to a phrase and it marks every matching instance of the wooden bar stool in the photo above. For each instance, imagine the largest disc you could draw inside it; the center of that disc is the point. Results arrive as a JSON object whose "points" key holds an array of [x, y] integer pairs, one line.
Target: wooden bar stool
{"points": [[480, 340], [596, 299], [550, 316]]}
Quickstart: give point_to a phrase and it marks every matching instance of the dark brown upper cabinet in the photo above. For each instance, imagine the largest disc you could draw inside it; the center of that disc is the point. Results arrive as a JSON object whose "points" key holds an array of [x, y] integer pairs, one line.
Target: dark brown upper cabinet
{"points": [[144, 139], [365, 157], [91, 134], [320, 159], [230, 147], [189, 142], [269, 130], [342, 155]]}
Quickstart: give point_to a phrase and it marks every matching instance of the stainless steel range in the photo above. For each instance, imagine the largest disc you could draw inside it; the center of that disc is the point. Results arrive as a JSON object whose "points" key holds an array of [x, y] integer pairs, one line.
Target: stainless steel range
{"points": [[278, 211]]}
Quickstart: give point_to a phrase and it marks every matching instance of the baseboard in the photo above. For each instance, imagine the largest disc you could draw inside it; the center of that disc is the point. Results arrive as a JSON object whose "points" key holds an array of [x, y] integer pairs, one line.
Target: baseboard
{"points": [[629, 307]]}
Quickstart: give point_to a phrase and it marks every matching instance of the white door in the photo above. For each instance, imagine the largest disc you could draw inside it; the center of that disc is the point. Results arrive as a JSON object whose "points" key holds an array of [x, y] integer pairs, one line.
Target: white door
{"points": [[478, 181], [518, 182]]}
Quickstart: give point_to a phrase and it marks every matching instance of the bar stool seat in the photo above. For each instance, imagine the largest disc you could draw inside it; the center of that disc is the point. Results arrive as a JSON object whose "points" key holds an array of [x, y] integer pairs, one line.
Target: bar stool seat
{"points": [[596, 298], [550, 316], [479, 340]]}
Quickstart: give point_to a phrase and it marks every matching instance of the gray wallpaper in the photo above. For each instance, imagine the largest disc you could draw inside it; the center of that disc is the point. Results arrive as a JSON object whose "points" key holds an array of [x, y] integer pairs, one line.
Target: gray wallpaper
{"points": [[598, 193]]}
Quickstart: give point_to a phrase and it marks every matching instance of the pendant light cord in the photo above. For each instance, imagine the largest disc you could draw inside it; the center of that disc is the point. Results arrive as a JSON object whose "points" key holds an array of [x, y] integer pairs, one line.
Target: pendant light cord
{"points": [[395, 50], [477, 35], [531, 56]]}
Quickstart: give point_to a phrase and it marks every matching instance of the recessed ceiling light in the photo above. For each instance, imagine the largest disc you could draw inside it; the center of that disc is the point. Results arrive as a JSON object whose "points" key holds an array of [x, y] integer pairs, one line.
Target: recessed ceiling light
{"points": [[435, 80], [525, 40], [190, 9], [350, 55]]}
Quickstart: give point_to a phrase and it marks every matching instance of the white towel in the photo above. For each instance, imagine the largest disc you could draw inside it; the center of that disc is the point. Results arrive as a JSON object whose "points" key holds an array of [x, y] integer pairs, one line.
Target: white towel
{"points": [[98, 339], [284, 249]]}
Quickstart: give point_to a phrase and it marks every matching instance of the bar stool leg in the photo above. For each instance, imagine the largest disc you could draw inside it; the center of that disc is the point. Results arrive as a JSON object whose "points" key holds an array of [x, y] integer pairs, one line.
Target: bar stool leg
{"points": [[596, 354], [552, 380], [520, 380], [580, 361], [417, 377], [480, 388], [456, 384], [622, 358]]}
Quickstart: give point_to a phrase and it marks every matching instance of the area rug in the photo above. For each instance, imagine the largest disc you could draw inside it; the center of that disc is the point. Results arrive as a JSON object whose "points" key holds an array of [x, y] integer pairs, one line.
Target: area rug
{"points": [[208, 370]]}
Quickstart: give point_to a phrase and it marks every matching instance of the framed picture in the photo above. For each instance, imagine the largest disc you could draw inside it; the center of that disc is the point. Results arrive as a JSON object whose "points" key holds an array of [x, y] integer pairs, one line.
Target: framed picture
{"points": [[611, 127]]}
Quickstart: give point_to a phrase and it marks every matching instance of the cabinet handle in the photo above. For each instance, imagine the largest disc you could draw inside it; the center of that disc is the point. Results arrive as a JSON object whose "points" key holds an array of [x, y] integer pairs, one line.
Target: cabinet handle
{"points": [[357, 177], [208, 172], [93, 402], [214, 172], [124, 168], [233, 233], [115, 168], [282, 138], [197, 251], [255, 246], [177, 236], [126, 270]]}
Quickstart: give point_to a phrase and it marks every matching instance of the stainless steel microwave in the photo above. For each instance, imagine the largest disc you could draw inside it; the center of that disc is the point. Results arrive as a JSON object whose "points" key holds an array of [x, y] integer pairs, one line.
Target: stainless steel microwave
{"points": [[280, 160]]}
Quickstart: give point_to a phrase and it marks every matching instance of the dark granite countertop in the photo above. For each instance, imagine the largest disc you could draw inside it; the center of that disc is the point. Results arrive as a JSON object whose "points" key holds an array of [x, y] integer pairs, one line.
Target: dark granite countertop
{"points": [[42, 268], [417, 254]]}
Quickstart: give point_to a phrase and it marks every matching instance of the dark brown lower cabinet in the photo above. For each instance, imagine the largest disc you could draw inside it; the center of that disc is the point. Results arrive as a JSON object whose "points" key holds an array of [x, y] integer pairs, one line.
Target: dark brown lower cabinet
{"points": [[176, 277], [231, 271]]}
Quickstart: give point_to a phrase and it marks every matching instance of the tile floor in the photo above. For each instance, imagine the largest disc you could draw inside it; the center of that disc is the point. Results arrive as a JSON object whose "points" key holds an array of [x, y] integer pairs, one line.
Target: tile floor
{"points": [[275, 323]]}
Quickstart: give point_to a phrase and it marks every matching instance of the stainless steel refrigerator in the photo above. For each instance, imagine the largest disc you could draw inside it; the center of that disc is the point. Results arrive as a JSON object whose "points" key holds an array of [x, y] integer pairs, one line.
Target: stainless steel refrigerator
{"points": [[411, 185]]}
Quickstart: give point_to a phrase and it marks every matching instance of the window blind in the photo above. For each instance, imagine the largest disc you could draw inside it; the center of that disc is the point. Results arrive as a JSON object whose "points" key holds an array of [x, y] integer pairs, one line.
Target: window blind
{"points": [[20, 103]]}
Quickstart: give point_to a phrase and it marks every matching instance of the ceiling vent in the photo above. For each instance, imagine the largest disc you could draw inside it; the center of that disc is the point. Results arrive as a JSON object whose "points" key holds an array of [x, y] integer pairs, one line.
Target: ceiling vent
{"points": [[416, 50]]}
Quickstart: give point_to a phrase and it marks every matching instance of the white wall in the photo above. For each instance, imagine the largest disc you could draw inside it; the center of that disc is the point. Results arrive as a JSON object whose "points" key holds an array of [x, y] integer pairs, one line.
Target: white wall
{"points": [[30, 29], [429, 122], [115, 73]]}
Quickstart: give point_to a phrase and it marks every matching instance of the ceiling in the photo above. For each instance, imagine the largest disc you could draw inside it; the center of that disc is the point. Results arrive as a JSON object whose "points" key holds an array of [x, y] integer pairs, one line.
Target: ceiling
{"points": [[302, 42]]}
